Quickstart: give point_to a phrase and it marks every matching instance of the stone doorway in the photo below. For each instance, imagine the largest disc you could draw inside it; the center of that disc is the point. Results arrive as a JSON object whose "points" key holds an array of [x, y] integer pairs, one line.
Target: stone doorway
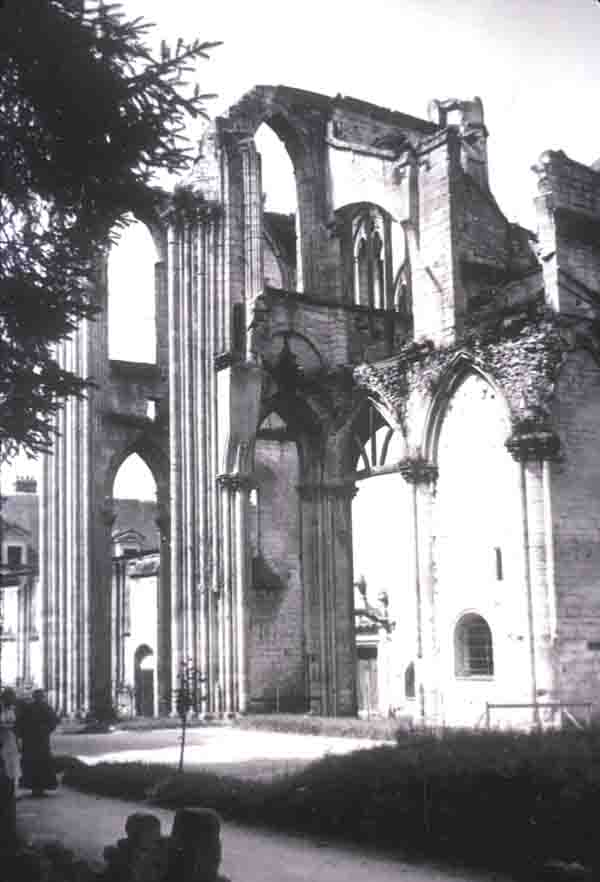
{"points": [[144, 681], [367, 681]]}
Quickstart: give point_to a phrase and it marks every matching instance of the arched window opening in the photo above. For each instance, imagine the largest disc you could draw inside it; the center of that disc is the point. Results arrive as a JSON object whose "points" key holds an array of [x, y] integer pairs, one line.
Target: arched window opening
{"points": [[380, 523], [136, 543], [473, 651], [134, 480], [377, 446], [280, 211], [361, 265], [378, 271], [371, 237], [409, 681], [132, 296]]}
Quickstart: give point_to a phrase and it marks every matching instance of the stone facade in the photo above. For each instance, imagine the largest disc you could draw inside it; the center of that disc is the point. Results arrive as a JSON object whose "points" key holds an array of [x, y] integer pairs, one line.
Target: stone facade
{"points": [[401, 306]]}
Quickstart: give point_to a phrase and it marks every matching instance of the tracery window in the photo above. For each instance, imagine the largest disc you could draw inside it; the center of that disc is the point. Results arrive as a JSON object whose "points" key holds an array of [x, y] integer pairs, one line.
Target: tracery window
{"points": [[473, 650], [377, 446], [370, 240]]}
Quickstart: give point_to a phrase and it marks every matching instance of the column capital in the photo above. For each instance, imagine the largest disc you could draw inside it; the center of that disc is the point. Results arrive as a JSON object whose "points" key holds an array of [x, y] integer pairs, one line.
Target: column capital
{"points": [[236, 482], [416, 470], [534, 442], [108, 511]]}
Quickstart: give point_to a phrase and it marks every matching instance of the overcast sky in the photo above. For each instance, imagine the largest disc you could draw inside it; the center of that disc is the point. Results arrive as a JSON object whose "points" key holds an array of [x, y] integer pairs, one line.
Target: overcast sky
{"points": [[534, 63]]}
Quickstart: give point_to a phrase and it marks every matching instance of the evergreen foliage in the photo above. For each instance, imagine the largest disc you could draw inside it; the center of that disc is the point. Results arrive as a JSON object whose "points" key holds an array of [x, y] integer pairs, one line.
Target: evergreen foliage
{"points": [[88, 117]]}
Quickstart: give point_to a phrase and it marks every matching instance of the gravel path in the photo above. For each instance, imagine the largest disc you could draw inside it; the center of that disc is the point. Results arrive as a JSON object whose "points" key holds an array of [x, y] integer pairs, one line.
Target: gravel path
{"points": [[86, 824]]}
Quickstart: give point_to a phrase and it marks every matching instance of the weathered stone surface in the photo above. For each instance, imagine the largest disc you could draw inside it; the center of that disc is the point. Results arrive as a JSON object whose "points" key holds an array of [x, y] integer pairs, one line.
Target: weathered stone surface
{"points": [[415, 308]]}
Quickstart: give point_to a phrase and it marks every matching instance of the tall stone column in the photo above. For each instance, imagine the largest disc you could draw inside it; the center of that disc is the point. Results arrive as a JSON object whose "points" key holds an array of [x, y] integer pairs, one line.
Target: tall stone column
{"points": [[118, 613], [68, 553], [234, 601], [421, 476], [103, 685], [328, 596], [533, 450], [253, 204], [192, 267], [163, 614]]}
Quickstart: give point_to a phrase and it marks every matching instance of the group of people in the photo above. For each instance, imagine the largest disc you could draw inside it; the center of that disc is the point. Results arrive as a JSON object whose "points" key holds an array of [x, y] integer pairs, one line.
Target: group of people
{"points": [[25, 755], [25, 729]]}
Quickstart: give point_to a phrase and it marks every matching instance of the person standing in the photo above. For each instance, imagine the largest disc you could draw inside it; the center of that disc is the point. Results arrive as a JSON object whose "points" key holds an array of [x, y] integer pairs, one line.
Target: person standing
{"points": [[9, 770], [35, 723]]}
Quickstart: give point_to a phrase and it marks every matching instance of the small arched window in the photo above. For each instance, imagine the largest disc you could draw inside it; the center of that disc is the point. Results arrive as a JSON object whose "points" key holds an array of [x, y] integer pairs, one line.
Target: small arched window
{"points": [[473, 650], [409, 681]]}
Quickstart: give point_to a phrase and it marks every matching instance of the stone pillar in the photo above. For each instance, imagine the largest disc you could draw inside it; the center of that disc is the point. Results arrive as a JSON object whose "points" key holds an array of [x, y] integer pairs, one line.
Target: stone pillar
{"points": [[68, 552], [438, 296], [163, 614], [534, 450], [253, 206], [103, 686], [328, 596], [192, 268], [421, 476], [118, 613], [195, 850], [234, 605]]}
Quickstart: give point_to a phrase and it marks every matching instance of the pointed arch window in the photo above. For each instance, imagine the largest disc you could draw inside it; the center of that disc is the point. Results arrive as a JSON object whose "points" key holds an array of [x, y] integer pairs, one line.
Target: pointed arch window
{"points": [[372, 255]]}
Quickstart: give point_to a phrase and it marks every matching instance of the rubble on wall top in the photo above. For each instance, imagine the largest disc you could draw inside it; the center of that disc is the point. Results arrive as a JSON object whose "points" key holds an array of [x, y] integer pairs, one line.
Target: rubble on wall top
{"points": [[300, 99]]}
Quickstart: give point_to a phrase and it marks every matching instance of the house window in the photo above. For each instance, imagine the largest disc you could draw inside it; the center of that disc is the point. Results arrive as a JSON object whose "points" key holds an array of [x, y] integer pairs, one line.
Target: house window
{"points": [[473, 649], [14, 556]]}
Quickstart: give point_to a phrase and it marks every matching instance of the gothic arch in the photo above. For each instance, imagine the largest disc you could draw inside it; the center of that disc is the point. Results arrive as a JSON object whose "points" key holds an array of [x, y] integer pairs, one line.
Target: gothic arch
{"points": [[150, 453], [267, 104], [460, 369]]}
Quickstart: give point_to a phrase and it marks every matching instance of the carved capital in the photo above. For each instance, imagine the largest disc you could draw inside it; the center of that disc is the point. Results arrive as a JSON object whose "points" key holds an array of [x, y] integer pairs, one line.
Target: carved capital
{"points": [[534, 443], [236, 482], [418, 471], [108, 512]]}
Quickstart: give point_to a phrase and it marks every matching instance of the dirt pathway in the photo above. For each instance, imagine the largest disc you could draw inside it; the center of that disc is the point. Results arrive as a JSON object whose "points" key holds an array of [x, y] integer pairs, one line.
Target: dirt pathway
{"points": [[86, 824]]}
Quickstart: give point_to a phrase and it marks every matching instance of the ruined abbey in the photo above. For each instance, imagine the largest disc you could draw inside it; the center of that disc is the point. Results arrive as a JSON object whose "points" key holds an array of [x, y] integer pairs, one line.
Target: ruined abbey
{"points": [[385, 409]]}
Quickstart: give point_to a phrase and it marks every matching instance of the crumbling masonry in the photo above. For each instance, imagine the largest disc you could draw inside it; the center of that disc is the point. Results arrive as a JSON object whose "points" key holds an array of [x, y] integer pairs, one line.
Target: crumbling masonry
{"points": [[401, 300]]}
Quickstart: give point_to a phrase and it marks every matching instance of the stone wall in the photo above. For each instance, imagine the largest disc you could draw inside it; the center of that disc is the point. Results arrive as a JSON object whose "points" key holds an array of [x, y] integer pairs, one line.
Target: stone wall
{"points": [[276, 638], [478, 556], [576, 515]]}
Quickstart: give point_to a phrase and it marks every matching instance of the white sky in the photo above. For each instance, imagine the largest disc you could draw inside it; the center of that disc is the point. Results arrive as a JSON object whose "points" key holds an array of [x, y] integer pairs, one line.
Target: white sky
{"points": [[534, 63]]}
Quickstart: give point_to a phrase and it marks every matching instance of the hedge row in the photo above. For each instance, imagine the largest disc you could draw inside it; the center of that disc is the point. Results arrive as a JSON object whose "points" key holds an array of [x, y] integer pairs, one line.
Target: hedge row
{"points": [[503, 801], [377, 729]]}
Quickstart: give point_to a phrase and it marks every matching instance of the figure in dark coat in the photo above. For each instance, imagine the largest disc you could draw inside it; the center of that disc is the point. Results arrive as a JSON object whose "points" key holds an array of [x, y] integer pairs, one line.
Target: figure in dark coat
{"points": [[35, 724]]}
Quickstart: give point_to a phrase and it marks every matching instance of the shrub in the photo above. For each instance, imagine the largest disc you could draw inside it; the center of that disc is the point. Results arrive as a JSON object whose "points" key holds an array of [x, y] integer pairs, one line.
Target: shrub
{"points": [[493, 799]]}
